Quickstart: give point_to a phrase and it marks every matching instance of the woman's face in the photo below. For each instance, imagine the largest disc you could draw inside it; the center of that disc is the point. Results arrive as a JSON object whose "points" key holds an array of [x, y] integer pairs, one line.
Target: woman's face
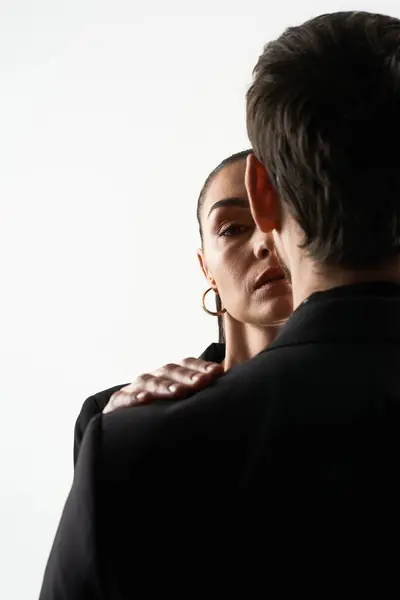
{"points": [[238, 259]]}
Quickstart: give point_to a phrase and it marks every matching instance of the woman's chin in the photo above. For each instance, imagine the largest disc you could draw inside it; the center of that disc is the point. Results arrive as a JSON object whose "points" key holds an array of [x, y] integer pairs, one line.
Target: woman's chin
{"points": [[275, 311]]}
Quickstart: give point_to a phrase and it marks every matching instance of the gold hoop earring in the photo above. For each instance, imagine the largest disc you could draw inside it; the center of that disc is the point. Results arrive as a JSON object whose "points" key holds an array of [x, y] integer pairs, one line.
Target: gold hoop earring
{"points": [[217, 313]]}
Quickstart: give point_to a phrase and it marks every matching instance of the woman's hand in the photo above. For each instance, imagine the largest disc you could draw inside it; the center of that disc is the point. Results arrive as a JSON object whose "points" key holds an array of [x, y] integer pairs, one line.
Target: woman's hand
{"points": [[171, 381]]}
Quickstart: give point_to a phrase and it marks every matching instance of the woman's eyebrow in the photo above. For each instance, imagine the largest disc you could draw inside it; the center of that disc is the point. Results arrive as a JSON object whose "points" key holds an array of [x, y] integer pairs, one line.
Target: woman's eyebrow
{"points": [[229, 202]]}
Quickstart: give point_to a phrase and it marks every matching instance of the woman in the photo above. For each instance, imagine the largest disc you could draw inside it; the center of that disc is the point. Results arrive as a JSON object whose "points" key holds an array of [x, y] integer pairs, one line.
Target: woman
{"points": [[253, 297]]}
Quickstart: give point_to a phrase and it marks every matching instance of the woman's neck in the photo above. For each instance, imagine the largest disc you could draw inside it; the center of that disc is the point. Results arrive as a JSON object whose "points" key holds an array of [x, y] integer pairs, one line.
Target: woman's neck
{"points": [[243, 341]]}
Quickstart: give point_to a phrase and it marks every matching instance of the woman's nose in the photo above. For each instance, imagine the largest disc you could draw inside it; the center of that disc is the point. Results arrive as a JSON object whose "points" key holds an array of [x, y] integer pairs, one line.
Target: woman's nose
{"points": [[261, 249]]}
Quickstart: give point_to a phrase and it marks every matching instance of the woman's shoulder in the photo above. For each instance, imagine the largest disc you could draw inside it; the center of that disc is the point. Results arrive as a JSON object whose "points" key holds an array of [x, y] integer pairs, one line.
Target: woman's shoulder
{"points": [[96, 403]]}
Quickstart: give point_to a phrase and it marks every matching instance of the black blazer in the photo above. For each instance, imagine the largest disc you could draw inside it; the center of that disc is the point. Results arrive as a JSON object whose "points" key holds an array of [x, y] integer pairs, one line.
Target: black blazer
{"points": [[95, 404], [162, 492]]}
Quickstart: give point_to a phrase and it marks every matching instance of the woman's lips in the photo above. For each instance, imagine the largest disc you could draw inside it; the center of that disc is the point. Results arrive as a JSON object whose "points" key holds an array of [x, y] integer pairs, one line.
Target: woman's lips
{"points": [[269, 277]]}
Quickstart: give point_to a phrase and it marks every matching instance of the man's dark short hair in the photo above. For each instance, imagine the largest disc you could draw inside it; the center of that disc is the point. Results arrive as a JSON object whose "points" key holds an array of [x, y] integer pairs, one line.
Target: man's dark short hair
{"points": [[323, 116]]}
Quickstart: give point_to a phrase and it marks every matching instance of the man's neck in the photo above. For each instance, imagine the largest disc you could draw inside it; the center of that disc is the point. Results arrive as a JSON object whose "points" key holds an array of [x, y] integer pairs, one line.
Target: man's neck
{"points": [[309, 278]]}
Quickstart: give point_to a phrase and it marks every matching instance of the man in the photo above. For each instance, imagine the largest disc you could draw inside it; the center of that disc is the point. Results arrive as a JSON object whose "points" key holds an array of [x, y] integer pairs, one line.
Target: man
{"points": [[315, 417]]}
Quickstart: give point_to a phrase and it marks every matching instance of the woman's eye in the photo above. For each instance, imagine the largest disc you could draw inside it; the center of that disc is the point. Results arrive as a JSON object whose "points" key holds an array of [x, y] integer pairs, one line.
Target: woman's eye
{"points": [[233, 229]]}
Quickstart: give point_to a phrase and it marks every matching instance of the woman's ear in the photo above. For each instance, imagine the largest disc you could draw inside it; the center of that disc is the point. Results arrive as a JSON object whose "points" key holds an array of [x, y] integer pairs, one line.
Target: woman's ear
{"points": [[203, 266], [263, 199]]}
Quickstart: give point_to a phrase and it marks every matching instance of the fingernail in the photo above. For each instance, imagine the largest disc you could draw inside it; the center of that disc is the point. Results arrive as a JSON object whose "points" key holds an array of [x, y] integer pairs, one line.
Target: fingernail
{"points": [[210, 367], [195, 377], [140, 396], [173, 388]]}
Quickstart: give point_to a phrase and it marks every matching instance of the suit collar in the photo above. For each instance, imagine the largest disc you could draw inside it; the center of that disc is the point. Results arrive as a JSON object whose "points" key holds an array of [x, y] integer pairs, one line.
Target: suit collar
{"points": [[359, 312], [214, 353]]}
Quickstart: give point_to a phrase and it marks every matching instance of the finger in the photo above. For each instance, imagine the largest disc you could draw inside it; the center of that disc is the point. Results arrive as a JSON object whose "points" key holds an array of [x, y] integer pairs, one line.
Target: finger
{"points": [[151, 383], [123, 399], [202, 366], [164, 387], [172, 389], [185, 375], [161, 388], [143, 390]]}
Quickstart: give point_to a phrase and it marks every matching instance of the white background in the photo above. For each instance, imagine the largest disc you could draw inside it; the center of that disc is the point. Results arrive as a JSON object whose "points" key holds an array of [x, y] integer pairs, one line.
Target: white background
{"points": [[111, 117]]}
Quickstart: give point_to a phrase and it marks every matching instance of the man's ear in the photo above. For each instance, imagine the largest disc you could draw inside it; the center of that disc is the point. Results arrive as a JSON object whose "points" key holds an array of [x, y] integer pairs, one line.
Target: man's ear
{"points": [[203, 266], [263, 199]]}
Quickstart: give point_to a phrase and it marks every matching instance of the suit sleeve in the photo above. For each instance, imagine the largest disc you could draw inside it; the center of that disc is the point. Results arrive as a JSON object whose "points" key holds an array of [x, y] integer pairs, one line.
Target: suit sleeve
{"points": [[90, 409], [73, 570]]}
